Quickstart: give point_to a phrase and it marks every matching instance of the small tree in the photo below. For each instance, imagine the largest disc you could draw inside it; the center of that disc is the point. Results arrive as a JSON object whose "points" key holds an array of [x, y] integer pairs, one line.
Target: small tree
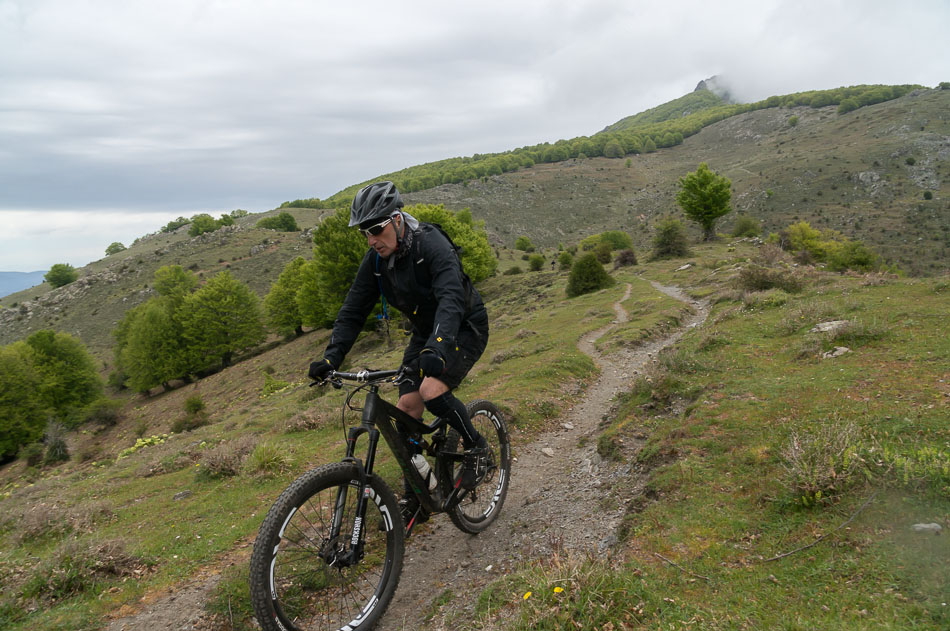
{"points": [[69, 375], [22, 412], [602, 252], [201, 224], [283, 222], [746, 226], [221, 318], [587, 275], [280, 305], [175, 281], [704, 197], [523, 243], [114, 248], [670, 239], [536, 262], [613, 149], [324, 280], [61, 274]]}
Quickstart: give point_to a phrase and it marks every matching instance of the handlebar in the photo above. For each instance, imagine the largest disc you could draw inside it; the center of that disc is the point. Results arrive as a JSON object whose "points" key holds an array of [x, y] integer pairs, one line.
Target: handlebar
{"points": [[364, 376]]}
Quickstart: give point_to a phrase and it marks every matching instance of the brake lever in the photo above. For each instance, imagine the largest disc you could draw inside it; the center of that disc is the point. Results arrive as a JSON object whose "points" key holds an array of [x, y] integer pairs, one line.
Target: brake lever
{"points": [[336, 383]]}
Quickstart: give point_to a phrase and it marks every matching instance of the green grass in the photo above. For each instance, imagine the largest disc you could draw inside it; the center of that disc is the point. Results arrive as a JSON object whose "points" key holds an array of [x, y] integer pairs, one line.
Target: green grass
{"points": [[716, 505], [258, 449], [718, 410]]}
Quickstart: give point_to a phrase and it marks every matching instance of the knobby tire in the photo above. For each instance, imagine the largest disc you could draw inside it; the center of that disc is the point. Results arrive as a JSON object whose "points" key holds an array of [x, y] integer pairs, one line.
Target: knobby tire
{"points": [[480, 507], [293, 587]]}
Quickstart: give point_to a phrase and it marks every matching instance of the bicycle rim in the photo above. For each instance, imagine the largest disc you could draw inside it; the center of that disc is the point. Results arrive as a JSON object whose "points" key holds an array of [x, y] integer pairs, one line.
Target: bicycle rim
{"points": [[481, 506], [299, 557]]}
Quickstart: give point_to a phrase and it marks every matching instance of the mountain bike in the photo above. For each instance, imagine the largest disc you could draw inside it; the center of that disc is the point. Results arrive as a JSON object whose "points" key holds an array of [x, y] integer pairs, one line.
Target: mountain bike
{"points": [[329, 552]]}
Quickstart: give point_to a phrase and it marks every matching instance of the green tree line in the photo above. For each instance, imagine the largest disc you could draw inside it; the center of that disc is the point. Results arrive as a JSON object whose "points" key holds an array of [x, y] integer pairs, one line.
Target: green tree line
{"points": [[665, 126], [309, 293], [185, 330]]}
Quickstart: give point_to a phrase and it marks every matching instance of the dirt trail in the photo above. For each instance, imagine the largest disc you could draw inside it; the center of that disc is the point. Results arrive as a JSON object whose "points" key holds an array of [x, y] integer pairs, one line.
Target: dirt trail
{"points": [[553, 504]]}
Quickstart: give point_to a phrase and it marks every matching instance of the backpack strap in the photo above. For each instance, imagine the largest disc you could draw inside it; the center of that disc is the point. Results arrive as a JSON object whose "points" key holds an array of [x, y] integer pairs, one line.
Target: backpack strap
{"points": [[379, 281]]}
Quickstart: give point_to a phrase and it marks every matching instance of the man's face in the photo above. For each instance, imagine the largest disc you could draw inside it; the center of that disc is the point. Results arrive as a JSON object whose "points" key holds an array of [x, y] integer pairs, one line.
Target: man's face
{"points": [[385, 242]]}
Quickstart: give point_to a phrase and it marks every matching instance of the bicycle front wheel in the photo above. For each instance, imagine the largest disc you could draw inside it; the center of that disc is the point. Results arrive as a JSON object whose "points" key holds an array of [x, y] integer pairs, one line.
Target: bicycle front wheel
{"points": [[479, 508], [304, 573]]}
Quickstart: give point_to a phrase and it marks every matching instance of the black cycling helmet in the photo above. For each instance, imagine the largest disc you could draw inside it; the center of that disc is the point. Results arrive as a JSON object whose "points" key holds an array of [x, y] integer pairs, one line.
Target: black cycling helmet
{"points": [[375, 201]]}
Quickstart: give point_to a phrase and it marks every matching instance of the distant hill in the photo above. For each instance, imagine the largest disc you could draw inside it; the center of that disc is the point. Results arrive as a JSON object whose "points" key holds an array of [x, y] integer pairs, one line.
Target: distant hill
{"points": [[11, 282], [878, 173]]}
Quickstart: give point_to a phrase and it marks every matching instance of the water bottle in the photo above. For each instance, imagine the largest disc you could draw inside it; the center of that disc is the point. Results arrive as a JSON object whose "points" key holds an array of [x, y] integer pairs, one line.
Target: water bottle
{"points": [[422, 466]]}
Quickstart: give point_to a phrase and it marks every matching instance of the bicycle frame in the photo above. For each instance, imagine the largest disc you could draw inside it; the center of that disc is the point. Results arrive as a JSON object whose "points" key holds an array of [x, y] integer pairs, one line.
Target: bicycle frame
{"points": [[381, 418]]}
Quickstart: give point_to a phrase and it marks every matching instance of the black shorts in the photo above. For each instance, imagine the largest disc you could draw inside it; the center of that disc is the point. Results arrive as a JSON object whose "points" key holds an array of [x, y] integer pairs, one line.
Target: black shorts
{"points": [[470, 345]]}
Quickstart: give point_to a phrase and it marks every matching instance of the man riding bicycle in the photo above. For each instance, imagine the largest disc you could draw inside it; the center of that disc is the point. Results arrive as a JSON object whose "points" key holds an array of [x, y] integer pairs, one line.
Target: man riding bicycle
{"points": [[416, 268]]}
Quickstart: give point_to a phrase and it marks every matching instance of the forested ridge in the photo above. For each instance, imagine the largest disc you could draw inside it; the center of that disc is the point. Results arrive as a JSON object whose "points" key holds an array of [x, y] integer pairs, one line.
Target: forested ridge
{"points": [[663, 126]]}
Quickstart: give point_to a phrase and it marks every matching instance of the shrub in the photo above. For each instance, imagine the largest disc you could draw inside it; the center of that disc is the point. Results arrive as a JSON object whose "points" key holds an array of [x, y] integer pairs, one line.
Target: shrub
{"points": [[194, 404], [31, 454], [189, 422], [61, 274], [283, 222], [225, 460], [56, 448], [760, 278], [175, 224], [201, 224], [928, 195], [303, 421], [603, 252], [565, 260], [105, 412], [524, 243], [746, 226], [77, 567], [851, 255], [820, 463], [587, 275], [272, 385], [618, 240], [511, 271], [910, 161], [625, 258], [792, 121], [536, 262], [669, 240], [267, 457]]}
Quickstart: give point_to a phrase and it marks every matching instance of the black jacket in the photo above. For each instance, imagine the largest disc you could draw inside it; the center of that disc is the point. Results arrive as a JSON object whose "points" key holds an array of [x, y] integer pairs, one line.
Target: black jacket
{"points": [[428, 286]]}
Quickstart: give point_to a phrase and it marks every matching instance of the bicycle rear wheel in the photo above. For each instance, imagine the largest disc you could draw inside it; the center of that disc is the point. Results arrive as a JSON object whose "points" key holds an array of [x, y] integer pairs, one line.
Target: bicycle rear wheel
{"points": [[300, 576], [479, 508]]}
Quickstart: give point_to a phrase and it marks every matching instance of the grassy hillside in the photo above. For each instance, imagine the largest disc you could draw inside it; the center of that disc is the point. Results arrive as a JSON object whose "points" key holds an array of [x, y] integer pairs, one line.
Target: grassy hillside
{"points": [[90, 307], [87, 538], [865, 173], [745, 419]]}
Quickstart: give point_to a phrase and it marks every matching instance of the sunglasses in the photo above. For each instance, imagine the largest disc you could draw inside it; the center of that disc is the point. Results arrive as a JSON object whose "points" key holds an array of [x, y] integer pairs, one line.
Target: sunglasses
{"points": [[376, 229]]}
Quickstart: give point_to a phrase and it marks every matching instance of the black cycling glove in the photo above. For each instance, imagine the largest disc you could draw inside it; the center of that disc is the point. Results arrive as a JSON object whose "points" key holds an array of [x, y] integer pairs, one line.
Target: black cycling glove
{"points": [[430, 363], [320, 369]]}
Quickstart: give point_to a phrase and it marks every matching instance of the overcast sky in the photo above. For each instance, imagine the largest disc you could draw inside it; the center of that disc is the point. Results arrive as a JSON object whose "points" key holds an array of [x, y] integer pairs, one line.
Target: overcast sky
{"points": [[119, 115]]}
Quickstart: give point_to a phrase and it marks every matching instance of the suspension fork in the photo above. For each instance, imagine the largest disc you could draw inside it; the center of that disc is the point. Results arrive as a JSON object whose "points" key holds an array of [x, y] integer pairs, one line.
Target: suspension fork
{"points": [[365, 471]]}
